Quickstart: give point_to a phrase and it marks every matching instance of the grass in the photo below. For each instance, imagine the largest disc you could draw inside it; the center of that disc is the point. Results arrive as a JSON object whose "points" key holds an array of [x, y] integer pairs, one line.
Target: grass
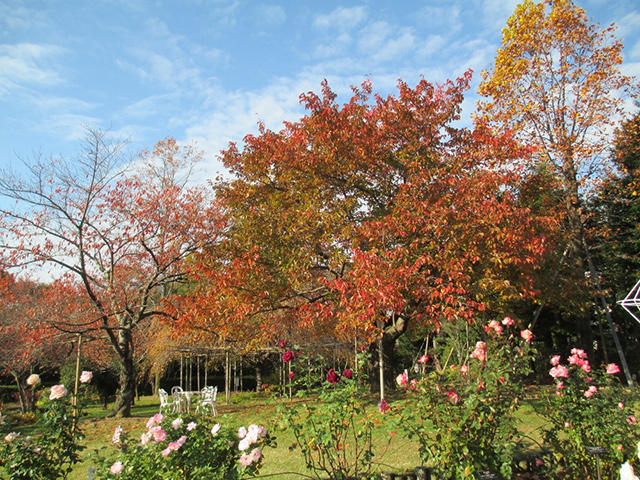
{"points": [[396, 452]]}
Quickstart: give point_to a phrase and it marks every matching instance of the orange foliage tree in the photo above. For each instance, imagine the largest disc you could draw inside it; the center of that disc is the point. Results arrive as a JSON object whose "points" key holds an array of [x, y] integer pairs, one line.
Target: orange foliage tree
{"points": [[28, 343], [557, 85], [362, 219], [120, 238]]}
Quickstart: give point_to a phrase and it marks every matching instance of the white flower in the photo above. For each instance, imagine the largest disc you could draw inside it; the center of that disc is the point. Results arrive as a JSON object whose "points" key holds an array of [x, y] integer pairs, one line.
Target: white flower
{"points": [[191, 426], [626, 472], [176, 423], [242, 432], [33, 380], [244, 444], [215, 429], [86, 376], [11, 436], [57, 391]]}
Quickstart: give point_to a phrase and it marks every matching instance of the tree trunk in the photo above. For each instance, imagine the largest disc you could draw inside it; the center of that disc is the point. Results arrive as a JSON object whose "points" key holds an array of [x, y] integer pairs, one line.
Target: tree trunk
{"points": [[127, 375], [392, 331], [258, 378], [21, 394]]}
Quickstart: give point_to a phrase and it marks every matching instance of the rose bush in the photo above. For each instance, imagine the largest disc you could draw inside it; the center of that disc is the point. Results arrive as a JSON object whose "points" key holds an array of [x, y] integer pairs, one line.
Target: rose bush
{"points": [[334, 431], [463, 415], [185, 447], [52, 453], [588, 407]]}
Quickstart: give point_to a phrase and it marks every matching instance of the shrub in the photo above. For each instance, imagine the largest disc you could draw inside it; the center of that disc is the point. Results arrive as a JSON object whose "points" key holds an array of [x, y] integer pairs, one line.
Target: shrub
{"points": [[186, 447], [463, 415], [588, 408]]}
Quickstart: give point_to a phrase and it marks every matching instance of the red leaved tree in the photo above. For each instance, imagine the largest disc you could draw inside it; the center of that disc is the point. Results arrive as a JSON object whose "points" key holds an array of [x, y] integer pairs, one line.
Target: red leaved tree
{"points": [[365, 218], [118, 237]]}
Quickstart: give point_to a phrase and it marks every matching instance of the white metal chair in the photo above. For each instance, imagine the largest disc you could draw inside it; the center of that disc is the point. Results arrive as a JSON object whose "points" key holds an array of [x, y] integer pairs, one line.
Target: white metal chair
{"points": [[179, 399], [208, 397], [164, 401]]}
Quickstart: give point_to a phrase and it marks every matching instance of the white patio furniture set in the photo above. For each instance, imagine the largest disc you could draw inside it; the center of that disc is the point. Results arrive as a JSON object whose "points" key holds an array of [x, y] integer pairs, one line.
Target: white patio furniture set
{"points": [[180, 400]]}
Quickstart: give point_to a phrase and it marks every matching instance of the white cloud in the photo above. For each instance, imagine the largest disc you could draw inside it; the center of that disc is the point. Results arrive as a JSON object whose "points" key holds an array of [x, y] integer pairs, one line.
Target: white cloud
{"points": [[628, 24], [272, 15], [634, 52], [337, 46], [27, 63], [341, 18], [431, 46]]}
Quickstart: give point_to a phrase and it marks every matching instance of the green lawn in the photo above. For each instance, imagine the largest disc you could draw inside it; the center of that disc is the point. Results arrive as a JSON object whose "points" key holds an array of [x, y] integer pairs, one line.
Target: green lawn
{"points": [[396, 451]]}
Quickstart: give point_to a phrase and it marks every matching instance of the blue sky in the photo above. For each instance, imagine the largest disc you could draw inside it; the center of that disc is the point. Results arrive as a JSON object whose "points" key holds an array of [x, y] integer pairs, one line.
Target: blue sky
{"points": [[206, 71]]}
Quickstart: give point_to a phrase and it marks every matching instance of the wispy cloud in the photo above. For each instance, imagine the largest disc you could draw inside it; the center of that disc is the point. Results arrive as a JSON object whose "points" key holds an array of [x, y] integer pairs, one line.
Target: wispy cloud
{"points": [[342, 18], [27, 63], [271, 15]]}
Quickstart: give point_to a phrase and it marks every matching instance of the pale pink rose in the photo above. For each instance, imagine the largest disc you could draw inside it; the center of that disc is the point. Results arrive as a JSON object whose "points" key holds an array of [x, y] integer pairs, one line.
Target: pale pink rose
{"points": [[507, 321], [117, 468], [586, 367], [255, 454], [57, 392], [177, 423], [145, 438], [215, 429], [262, 431], [33, 379], [464, 369], [539, 462], [159, 435], [166, 451], [527, 335], [612, 368], [558, 393], [245, 460], [10, 437], [402, 379], [86, 376], [620, 405], [116, 434], [181, 440], [559, 371], [244, 444], [155, 420], [560, 386], [620, 447], [242, 432], [191, 426], [555, 360], [567, 425], [631, 420]]}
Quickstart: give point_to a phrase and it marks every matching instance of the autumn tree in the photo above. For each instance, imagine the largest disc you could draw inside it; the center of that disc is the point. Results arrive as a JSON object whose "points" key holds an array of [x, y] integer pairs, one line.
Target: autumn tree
{"points": [[360, 220], [28, 344], [117, 237], [557, 85]]}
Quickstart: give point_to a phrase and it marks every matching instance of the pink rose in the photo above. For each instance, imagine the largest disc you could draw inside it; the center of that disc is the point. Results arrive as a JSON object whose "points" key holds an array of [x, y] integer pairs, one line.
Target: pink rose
{"points": [[242, 432], [592, 390], [177, 423], [86, 376], [555, 360], [191, 426], [480, 352], [464, 369], [332, 376], [620, 405], [57, 391], [116, 434], [145, 438], [159, 435], [155, 420], [631, 420], [453, 397], [423, 359], [507, 321], [527, 335], [612, 368], [116, 468], [255, 454], [291, 375], [402, 379], [33, 380], [287, 356], [559, 371], [245, 460], [579, 352], [495, 326], [383, 406], [347, 373]]}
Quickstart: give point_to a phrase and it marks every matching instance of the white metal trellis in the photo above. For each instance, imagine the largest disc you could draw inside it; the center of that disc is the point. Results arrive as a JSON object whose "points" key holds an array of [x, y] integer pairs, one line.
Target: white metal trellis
{"points": [[631, 303]]}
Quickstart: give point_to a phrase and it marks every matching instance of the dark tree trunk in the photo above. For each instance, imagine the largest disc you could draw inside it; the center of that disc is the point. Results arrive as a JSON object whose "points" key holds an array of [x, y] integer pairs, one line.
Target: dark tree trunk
{"points": [[392, 331], [126, 377]]}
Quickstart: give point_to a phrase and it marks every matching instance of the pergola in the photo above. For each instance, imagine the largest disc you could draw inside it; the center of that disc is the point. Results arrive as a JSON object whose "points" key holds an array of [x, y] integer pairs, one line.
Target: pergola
{"points": [[631, 303]]}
